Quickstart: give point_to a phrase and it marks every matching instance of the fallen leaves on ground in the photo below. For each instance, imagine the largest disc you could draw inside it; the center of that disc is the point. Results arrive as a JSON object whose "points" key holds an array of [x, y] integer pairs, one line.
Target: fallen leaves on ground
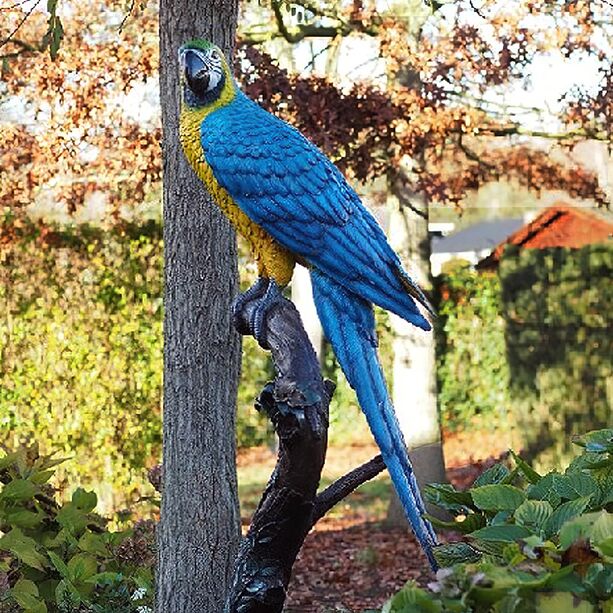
{"points": [[353, 568], [350, 563]]}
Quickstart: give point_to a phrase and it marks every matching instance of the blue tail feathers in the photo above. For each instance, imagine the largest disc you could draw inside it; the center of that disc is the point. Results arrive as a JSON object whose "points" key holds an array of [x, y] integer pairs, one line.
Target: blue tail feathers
{"points": [[349, 324]]}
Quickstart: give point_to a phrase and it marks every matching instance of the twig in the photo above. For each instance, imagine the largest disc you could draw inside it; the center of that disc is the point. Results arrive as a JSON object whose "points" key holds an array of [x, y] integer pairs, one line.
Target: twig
{"points": [[16, 29]]}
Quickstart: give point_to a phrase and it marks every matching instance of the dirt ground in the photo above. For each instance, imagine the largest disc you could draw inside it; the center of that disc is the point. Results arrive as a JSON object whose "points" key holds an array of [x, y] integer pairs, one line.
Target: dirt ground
{"points": [[352, 561]]}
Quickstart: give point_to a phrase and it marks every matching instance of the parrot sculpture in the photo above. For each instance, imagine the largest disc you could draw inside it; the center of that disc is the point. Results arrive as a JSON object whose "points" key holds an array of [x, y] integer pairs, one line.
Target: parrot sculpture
{"points": [[293, 205]]}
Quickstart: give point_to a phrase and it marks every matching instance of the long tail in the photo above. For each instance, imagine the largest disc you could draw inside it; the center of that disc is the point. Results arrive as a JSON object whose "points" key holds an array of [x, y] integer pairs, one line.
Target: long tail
{"points": [[349, 324]]}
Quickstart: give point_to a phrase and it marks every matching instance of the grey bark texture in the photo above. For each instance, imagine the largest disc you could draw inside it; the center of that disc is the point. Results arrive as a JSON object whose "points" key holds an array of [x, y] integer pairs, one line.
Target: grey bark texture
{"points": [[199, 529]]}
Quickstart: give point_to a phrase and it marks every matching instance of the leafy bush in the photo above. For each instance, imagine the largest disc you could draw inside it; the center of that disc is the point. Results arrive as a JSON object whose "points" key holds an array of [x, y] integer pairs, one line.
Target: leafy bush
{"points": [[532, 542], [81, 353], [530, 346], [472, 368], [81, 347], [557, 306], [61, 557]]}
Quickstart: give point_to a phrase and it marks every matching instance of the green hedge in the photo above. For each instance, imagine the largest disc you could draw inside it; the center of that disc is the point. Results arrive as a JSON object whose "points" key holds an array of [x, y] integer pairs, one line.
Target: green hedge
{"points": [[557, 305], [530, 346], [81, 354], [80, 340], [472, 370]]}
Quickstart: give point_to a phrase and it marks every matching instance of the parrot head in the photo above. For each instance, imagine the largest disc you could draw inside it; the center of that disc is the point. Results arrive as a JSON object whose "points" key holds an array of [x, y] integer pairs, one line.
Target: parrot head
{"points": [[205, 74]]}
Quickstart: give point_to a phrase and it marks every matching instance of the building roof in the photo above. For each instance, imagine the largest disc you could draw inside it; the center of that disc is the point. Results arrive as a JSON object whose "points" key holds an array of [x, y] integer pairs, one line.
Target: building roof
{"points": [[480, 236], [559, 225]]}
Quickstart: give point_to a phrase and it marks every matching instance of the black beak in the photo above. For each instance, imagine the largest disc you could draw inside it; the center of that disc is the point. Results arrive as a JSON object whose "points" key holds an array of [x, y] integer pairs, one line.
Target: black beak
{"points": [[196, 73]]}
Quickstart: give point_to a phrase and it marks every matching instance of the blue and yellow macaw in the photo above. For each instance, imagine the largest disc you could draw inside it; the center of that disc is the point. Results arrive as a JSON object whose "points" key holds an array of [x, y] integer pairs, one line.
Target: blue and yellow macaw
{"points": [[294, 206]]}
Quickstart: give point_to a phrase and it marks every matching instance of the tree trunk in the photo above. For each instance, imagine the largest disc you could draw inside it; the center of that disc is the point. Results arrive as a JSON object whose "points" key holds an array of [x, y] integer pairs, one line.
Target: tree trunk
{"points": [[414, 389], [200, 525], [302, 297]]}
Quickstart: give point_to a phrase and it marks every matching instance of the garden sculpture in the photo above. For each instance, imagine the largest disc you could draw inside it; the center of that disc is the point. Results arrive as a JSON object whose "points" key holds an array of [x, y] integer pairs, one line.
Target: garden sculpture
{"points": [[293, 205]]}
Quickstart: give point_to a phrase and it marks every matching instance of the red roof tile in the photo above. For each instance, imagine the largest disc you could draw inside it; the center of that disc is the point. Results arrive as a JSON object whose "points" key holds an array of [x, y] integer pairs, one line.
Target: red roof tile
{"points": [[557, 226]]}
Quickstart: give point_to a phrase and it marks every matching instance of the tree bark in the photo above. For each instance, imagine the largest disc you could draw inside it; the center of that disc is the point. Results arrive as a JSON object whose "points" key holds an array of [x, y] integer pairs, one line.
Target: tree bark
{"points": [[200, 525], [414, 372]]}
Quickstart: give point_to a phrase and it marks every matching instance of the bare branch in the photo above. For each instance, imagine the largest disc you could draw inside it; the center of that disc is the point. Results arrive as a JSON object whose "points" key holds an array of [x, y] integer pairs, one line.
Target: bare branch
{"points": [[18, 26], [342, 487]]}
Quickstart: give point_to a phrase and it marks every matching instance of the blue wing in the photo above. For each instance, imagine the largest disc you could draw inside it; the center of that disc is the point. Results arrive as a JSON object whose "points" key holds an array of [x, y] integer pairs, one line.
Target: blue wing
{"points": [[286, 185]]}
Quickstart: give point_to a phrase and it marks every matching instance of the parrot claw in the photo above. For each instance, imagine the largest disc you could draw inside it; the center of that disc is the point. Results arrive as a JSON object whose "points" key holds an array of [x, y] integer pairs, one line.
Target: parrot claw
{"points": [[251, 308]]}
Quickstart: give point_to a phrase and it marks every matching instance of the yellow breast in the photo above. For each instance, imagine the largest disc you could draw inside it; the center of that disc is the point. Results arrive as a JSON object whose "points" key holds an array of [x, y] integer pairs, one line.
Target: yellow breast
{"points": [[273, 260]]}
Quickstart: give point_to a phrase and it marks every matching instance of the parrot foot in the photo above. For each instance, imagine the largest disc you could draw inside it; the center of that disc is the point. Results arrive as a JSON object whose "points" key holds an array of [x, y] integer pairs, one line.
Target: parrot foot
{"points": [[251, 308]]}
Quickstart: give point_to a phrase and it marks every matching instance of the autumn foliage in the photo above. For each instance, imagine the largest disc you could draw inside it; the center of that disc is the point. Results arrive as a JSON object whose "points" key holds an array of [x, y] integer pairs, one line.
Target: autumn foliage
{"points": [[79, 133], [76, 131]]}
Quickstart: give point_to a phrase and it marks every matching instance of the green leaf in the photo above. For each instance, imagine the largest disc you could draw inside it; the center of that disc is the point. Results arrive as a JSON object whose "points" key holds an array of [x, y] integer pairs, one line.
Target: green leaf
{"points": [[65, 590], [105, 578], [23, 547], [57, 35], [494, 474], [597, 441], [50, 461], [502, 517], [545, 490], [472, 522], [30, 604], [603, 475], [490, 548], [59, 564], [411, 599], [565, 580], [41, 476], [605, 547], [533, 513], [81, 567], [529, 473], [18, 489], [46, 589], [575, 485], [25, 586], [565, 512], [93, 543], [557, 602], [497, 497], [26, 595], [506, 534], [72, 518], [599, 579], [24, 519], [602, 529], [8, 460], [455, 553], [84, 501], [447, 497]]}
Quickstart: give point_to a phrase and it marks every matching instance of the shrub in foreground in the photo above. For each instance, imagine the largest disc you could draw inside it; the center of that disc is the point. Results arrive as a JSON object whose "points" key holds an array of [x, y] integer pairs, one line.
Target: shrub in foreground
{"points": [[531, 542], [62, 557]]}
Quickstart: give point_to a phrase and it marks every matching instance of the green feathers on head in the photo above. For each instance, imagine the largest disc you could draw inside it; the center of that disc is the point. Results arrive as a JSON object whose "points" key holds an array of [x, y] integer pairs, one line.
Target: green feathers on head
{"points": [[198, 43]]}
